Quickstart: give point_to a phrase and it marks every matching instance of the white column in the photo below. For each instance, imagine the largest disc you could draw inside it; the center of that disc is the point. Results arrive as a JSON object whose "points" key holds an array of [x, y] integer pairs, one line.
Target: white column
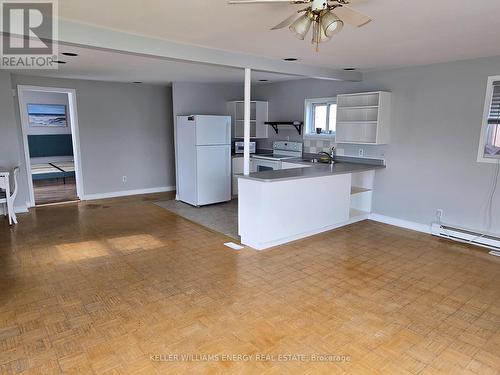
{"points": [[246, 133]]}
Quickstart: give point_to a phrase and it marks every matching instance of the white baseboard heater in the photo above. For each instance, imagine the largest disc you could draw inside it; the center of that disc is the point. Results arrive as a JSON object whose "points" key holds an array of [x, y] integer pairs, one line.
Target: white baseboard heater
{"points": [[466, 236]]}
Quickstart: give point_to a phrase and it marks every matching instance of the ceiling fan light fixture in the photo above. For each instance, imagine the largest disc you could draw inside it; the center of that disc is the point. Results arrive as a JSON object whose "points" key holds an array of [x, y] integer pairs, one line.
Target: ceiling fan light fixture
{"points": [[331, 24], [319, 35], [326, 17], [301, 26]]}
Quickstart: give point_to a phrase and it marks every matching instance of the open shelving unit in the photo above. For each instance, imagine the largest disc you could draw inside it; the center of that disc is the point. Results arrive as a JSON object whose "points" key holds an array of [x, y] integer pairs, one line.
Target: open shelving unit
{"points": [[358, 190], [363, 118], [361, 194], [258, 118]]}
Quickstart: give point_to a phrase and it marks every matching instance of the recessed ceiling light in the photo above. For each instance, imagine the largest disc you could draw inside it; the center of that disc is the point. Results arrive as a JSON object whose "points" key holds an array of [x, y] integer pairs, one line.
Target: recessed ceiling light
{"points": [[60, 62], [290, 59], [70, 54], [263, 80], [349, 69]]}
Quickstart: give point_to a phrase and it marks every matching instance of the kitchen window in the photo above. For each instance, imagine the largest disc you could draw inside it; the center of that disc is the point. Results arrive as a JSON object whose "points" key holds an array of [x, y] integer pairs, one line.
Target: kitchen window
{"points": [[489, 146], [320, 117]]}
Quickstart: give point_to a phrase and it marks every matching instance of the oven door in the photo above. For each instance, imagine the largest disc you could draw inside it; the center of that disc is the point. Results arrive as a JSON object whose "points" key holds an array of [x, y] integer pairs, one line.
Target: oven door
{"points": [[261, 165]]}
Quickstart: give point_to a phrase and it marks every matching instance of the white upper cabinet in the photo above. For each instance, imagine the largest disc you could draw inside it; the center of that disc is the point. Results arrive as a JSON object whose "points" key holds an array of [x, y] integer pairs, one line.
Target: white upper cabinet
{"points": [[258, 117], [364, 118]]}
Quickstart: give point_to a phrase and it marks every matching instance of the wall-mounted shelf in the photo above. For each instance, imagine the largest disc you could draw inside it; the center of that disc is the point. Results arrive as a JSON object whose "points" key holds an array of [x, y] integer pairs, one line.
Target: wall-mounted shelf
{"points": [[296, 124]]}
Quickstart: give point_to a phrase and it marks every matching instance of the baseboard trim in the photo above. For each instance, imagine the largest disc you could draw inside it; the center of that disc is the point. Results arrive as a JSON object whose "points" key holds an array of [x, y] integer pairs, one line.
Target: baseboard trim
{"points": [[126, 193], [375, 217], [401, 223], [296, 237]]}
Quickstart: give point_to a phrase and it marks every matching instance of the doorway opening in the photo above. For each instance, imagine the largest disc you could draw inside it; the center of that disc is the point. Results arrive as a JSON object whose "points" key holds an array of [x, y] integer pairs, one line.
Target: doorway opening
{"points": [[49, 123]]}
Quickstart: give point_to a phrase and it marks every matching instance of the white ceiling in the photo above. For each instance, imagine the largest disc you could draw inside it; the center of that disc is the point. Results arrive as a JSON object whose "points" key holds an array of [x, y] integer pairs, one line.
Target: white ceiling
{"points": [[403, 33], [103, 65]]}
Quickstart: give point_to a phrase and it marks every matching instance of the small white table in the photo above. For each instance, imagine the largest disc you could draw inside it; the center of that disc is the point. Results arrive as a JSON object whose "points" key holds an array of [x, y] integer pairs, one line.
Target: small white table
{"points": [[5, 186]]}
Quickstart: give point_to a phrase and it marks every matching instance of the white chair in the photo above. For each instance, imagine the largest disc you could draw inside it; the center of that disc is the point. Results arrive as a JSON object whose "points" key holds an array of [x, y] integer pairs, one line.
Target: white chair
{"points": [[7, 197]]}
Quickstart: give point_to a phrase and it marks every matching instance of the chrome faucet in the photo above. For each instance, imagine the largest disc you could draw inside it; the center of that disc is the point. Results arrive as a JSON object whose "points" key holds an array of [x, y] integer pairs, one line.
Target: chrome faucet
{"points": [[330, 159], [331, 155]]}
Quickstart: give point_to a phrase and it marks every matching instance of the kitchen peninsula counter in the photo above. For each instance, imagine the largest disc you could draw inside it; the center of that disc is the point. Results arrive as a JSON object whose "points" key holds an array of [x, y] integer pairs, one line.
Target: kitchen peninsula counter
{"points": [[280, 206]]}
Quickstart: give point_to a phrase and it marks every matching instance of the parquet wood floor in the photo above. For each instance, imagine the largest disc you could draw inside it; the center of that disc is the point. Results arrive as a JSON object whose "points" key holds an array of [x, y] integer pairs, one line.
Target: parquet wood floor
{"points": [[104, 287]]}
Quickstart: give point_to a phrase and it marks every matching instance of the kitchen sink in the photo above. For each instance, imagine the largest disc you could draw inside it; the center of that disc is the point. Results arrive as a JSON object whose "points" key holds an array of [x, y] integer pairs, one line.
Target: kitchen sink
{"points": [[315, 161], [310, 160]]}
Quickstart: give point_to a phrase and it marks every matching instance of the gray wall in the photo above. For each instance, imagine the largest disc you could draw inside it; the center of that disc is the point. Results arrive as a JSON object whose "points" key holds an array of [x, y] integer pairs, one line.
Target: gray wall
{"points": [[125, 130], [431, 161], [203, 98]]}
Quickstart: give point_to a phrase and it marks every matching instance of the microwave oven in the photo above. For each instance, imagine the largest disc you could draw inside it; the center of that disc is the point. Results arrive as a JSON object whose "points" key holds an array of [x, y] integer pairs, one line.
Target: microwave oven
{"points": [[239, 147]]}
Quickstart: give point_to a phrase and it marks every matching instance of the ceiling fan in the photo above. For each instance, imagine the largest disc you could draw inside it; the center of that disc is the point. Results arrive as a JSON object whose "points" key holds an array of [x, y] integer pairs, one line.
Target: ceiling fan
{"points": [[327, 18]]}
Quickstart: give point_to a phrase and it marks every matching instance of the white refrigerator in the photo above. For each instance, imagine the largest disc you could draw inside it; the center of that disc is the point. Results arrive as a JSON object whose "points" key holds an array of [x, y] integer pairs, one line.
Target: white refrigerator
{"points": [[203, 159]]}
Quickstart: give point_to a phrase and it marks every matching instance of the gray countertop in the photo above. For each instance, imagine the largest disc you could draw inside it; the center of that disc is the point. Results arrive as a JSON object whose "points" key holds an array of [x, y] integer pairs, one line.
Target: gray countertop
{"points": [[311, 170]]}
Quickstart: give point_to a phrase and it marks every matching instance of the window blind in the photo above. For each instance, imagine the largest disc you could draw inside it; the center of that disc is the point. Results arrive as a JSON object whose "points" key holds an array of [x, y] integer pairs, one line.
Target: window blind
{"points": [[494, 116]]}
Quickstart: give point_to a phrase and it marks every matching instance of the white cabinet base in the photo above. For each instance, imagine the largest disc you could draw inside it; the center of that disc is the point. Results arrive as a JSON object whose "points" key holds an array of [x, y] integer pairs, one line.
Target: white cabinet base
{"points": [[237, 168], [274, 213]]}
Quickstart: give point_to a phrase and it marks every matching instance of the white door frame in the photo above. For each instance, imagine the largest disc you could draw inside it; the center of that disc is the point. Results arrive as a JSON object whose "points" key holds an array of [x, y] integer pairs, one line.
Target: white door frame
{"points": [[75, 135]]}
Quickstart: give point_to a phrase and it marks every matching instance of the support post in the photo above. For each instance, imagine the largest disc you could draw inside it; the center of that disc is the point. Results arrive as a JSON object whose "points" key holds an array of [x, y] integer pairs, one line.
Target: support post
{"points": [[246, 133]]}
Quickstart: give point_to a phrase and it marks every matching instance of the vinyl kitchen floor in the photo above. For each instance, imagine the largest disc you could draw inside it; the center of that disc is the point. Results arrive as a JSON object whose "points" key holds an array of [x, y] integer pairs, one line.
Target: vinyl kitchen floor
{"points": [[222, 218]]}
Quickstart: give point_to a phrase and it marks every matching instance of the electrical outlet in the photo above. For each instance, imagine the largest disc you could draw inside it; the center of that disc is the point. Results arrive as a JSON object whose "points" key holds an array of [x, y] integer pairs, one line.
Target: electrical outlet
{"points": [[361, 152], [124, 179], [439, 214]]}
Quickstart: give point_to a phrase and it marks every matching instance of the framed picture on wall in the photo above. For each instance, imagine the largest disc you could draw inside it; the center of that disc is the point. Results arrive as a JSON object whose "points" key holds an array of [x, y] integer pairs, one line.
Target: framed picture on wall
{"points": [[47, 115]]}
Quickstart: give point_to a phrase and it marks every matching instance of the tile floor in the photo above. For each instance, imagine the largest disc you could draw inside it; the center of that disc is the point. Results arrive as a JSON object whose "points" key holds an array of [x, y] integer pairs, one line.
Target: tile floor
{"points": [[222, 218]]}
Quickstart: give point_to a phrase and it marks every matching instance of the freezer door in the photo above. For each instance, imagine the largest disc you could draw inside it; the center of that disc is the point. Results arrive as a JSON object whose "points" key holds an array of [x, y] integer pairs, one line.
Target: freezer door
{"points": [[213, 130], [213, 174]]}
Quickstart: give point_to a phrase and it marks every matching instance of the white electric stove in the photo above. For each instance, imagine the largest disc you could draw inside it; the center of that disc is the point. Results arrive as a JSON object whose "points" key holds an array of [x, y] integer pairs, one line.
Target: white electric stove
{"points": [[282, 150]]}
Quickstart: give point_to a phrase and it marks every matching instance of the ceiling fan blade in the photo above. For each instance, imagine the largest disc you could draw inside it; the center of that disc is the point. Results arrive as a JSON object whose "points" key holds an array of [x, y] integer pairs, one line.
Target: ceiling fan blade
{"points": [[351, 16], [286, 22], [268, 1]]}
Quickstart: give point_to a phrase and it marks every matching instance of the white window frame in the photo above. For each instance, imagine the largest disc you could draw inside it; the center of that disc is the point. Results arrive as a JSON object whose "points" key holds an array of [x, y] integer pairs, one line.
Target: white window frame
{"points": [[308, 117], [484, 125]]}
